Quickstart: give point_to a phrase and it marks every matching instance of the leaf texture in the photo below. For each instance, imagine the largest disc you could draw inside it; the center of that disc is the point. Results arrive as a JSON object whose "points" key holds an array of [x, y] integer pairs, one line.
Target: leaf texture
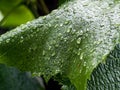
{"points": [[71, 41], [107, 75]]}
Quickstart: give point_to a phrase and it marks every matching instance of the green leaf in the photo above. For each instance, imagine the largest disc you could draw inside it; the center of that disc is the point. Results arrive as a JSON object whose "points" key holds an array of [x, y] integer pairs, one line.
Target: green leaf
{"points": [[1, 16], [71, 41], [14, 12], [107, 76], [13, 79], [19, 16], [7, 5]]}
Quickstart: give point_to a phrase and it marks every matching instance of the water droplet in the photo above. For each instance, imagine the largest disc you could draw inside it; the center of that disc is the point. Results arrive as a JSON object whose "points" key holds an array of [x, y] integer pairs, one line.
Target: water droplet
{"points": [[73, 31], [57, 17], [53, 54], [34, 47], [78, 53], [56, 45], [80, 71], [56, 26], [66, 22], [59, 34], [21, 41], [49, 25], [49, 47], [68, 30], [84, 64], [44, 17], [43, 53], [48, 58], [61, 24], [78, 40], [57, 71], [8, 40], [31, 35], [21, 37], [81, 56], [30, 50], [81, 32]]}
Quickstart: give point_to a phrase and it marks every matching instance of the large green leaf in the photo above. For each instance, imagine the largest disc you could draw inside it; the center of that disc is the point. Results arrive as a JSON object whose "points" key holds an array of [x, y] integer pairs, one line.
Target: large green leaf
{"points": [[13, 79], [71, 41], [107, 76]]}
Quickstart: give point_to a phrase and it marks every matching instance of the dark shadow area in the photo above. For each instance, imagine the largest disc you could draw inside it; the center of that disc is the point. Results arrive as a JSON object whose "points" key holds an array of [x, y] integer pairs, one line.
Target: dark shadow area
{"points": [[53, 85]]}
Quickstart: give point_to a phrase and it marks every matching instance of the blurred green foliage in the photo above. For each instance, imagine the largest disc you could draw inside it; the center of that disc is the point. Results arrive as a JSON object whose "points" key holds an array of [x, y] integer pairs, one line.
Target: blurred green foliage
{"points": [[14, 13]]}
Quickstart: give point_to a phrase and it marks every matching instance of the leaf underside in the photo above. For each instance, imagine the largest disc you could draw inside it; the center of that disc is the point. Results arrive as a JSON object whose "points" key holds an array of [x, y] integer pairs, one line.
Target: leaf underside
{"points": [[107, 75]]}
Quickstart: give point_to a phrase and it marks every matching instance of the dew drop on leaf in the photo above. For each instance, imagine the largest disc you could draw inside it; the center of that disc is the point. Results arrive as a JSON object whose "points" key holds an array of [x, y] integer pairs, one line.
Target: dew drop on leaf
{"points": [[7, 40], [53, 54], [57, 71], [80, 71], [21, 41], [49, 25], [68, 30], [78, 40], [21, 37], [84, 64], [66, 22], [81, 56], [61, 24], [56, 26], [43, 53], [48, 58], [49, 47]]}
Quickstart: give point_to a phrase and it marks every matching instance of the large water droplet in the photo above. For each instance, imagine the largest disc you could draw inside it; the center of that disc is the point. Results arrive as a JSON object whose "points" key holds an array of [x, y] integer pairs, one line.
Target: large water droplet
{"points": [[78, 40]]}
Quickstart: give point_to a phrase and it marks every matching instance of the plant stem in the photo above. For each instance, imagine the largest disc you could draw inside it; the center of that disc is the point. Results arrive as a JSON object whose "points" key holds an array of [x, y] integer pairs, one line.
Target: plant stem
{"points": [[43, 5]]}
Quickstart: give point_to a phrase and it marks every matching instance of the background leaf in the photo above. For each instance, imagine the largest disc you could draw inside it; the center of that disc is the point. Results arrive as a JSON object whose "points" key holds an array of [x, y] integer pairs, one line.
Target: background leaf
{"points": [[14, 12], [7, 5], [13, 79], [107, 75], [20, 16]]}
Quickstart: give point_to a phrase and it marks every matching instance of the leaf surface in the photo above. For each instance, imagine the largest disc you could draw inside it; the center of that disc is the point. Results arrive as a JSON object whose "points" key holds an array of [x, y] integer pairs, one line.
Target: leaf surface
{"points": [[71, 41]]}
